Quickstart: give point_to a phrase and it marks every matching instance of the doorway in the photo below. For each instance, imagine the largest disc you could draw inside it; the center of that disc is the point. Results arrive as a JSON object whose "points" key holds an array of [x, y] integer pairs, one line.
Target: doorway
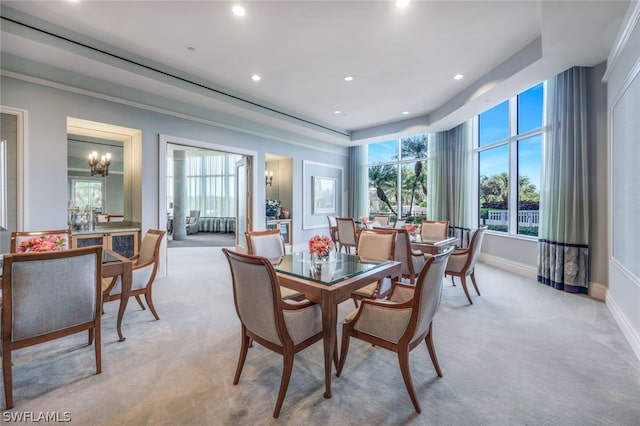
{"points": [[197, 185]]}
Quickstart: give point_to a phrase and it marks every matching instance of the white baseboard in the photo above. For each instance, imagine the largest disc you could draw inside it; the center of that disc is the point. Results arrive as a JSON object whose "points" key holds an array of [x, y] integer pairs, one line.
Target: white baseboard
{"points": [[598, 291], [509, 265], [632, 337]]}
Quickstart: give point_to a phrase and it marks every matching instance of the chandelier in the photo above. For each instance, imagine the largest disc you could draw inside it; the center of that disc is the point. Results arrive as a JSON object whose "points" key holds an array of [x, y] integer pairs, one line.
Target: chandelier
{"points": [[99, 166]]}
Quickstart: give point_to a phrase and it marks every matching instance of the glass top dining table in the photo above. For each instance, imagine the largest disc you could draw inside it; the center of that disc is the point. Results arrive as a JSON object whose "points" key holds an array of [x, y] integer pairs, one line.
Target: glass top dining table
{"points": [[339, 267], [328, 284]]}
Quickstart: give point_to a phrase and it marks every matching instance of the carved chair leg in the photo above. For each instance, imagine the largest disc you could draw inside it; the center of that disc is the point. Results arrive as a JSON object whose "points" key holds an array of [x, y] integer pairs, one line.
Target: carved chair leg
{"points": [[403, 358], [284, 384], [140, 302], [149, 299], [473, 280], [8, 378], [432, 351], [90, 336], [464, 287], [98, 350], [355, 301], [243, 355], [344, 347]]}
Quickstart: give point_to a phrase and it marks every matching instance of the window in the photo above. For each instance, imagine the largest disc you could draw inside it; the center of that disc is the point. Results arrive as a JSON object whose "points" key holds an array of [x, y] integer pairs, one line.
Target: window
{"points": [[509, 160], [397, 176]]}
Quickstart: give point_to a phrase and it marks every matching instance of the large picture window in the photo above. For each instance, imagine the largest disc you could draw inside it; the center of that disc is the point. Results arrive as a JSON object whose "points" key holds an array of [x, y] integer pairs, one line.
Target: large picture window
{"points": [[398, 177], [509, 151]]}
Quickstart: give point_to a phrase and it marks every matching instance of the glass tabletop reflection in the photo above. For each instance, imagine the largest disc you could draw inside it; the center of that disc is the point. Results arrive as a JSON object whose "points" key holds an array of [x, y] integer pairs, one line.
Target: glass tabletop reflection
{"points": [[329, 272]]}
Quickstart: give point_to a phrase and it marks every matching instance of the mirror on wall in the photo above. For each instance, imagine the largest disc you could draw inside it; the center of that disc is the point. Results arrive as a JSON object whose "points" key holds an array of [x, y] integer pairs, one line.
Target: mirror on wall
{"points": [[104, 189]]}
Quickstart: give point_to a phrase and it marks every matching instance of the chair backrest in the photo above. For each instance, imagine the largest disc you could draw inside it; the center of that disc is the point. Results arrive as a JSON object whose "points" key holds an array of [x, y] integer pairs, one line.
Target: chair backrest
{"points": [[346, 230], [194, 216], [403, 251], [267, 244], [475, 246], [40, 241], [150, 247], [428, 293], [434, 229], [376, 244], [256, 294], [47, 293], [382, 220], [399, 223], [332, 221]]}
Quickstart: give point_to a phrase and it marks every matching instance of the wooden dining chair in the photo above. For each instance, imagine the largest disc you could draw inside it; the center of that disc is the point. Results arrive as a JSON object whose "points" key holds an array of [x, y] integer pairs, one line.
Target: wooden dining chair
{"points": [[283, 326], [402, 322], [22, 242], [412, 260], [375, 245], [143, 274], [347, 236], [382, 220], [270, 244], [47, 296], [433, 230], [333, 229], [462, 262]]}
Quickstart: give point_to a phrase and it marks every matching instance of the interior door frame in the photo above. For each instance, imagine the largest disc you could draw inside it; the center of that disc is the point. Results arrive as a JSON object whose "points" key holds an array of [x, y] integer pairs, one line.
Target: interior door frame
{"points": [[21, 162], [163, 141]]}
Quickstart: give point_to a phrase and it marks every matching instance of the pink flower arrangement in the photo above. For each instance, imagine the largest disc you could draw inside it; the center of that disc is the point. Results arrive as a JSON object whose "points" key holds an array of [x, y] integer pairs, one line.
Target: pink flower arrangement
{"points": [[320, 245], [411, 228], [42, 243], [364, 219]]}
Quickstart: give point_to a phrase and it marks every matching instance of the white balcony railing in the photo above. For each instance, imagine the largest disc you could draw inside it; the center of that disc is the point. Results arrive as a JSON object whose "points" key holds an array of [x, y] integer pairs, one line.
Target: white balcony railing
{"points": [[529, 218]]}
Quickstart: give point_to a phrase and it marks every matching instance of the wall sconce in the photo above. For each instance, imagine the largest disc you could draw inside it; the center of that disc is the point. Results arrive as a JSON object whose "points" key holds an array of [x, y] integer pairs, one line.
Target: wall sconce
{"points": [[101, 166], [268, 177]]}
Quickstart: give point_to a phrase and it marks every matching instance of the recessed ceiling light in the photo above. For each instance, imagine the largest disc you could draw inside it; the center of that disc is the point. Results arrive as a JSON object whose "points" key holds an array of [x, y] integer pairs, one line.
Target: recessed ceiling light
{"points": [[191, 49], [238, 10], [256, 77], [405, 112], [337, 111], [458, 77], [402, 3], [348, 78]]}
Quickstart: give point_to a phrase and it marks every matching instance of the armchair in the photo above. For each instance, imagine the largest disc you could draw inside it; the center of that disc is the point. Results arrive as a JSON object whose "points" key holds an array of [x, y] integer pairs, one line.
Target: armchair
{"points": [[401, 323], [412, 260], [463, 262], [192, 222], [47, 296], [143, 273], [347, 236], [283, 326]]}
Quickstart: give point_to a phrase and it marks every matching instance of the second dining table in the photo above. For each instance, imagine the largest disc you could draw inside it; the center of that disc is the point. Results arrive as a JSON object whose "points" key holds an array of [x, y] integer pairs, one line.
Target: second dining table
{"points": [[329, 283]]}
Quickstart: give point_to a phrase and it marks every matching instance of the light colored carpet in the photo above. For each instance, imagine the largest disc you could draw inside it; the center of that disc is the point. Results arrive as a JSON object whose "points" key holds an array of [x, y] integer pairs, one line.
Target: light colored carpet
{"points": [[523, 354]]}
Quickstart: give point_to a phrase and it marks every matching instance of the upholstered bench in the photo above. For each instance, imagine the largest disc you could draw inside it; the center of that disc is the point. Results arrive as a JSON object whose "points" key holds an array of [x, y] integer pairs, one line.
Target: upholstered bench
{"points": [[217, 224]]}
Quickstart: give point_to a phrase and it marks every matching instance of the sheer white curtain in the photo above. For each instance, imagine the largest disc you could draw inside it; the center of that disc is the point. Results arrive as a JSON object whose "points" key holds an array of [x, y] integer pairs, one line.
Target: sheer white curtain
{"points": [[563, 244], [358, 182], [210, 182], [449, 179]]}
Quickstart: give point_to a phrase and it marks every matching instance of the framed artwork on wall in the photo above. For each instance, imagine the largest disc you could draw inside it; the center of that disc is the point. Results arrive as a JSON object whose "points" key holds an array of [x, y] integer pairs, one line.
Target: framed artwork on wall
{"points": [[324, 195]]}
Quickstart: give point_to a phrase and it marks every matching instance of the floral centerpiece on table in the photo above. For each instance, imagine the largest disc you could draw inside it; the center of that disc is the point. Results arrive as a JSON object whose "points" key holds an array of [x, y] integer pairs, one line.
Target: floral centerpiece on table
{"points": [[364, 219], [42, 243], [320, 246], [411, 229]]}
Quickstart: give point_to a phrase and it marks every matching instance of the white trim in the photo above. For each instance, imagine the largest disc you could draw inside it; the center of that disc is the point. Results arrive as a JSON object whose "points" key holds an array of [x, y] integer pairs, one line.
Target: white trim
{"points": [[163, 140], [21, 166], [598, 291], [627, 330], [622, 39], [522, 269]]}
